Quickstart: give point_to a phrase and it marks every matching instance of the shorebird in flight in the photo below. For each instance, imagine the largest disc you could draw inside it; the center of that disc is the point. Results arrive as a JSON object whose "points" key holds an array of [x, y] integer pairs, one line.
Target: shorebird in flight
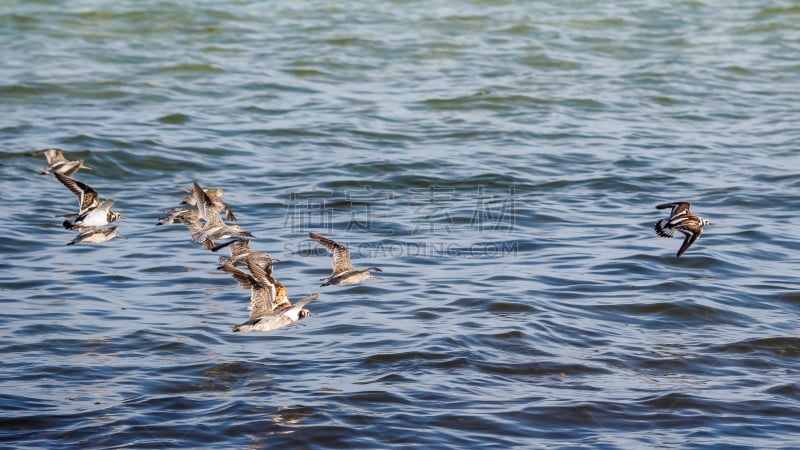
{"points": [[58, 163], [681, 219], [214, 228], [243, 255], [261, 285], [276, 318], [214, 195], [179, 215], [91, 213], [343, 270], [94, 235], [270, 307]]}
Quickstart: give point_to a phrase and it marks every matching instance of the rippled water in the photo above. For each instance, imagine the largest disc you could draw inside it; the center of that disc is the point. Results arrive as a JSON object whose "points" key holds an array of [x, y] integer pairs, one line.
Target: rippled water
{"points": [[499, 160]]}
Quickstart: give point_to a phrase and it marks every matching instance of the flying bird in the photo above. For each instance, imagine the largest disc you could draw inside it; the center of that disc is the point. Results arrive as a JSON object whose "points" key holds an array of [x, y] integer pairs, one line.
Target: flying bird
{"points": [[91, 212], [270, 307], [57, 163], [214, 228], [343, 270], [681, 219]]}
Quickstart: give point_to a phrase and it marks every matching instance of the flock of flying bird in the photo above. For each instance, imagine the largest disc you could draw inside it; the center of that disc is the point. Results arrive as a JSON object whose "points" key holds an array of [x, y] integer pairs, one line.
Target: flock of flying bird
{"points": [[270, 307], [93, 215]]}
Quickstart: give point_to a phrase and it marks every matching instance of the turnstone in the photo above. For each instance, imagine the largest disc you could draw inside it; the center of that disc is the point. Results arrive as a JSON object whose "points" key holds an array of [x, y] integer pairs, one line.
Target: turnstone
{"points": [[58, 163], [97, 217], [214, 195], [681, 219], [269, 308], [214, 228], [343, 270], [91, 213], [95, 235]]}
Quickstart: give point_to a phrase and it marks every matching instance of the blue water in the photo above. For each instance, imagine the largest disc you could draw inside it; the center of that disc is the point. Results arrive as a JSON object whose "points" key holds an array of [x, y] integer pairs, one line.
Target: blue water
{"points": [[500, 161]]}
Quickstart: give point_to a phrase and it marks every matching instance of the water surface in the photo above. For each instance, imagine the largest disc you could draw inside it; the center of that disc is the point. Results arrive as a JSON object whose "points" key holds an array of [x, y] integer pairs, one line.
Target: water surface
{"points": [[500, 161]]}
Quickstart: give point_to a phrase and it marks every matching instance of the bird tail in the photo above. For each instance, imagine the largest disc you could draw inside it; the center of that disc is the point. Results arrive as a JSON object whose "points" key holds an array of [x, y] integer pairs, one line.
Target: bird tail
{"points": [[661, 229]]}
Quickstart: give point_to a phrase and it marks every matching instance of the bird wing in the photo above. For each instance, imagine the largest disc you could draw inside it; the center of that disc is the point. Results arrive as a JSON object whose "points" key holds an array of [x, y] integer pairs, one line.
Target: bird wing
{"points": [[193, 225], [214, 195], [692, 234], [53, 155], [205, 205], [87, 197], [261, 259], [307, 300], [678, 209], [341, 256], [263, 275], [260, 302], [106, 204], [240, 247], [261, 294], [228, 213], [243, 278]]}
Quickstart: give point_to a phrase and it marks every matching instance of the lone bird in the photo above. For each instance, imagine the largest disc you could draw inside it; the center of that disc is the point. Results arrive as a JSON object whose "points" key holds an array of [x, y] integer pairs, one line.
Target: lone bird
{"points": [[343, 270], [57, 163], [681, 219]]}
